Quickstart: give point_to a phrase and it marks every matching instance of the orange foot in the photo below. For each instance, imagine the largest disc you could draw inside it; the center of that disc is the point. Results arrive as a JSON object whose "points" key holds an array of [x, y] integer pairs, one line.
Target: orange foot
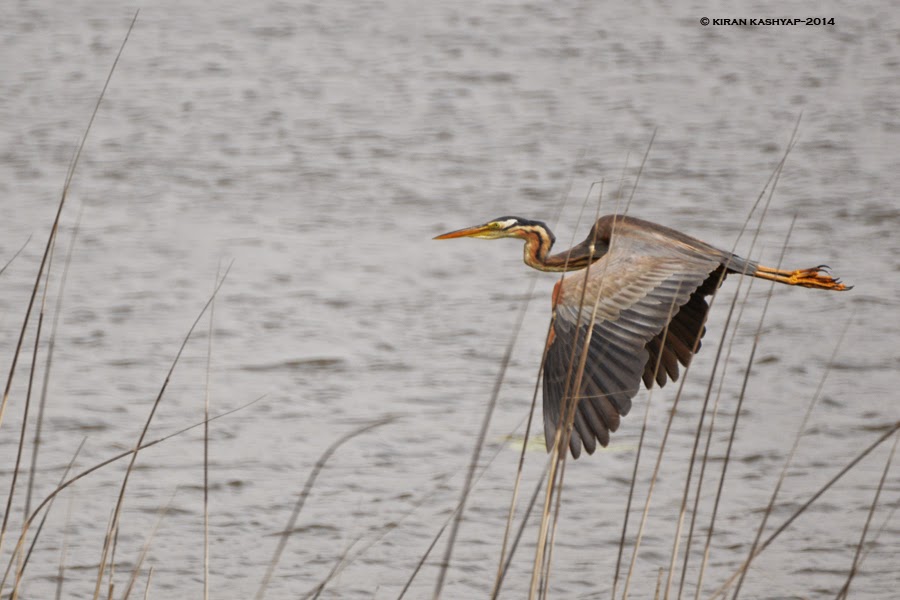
{"points": [[816, 277]]}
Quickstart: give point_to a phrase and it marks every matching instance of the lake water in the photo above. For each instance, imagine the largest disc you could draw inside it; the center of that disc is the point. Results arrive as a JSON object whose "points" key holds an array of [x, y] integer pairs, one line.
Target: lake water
{"points": [[320, 147]]}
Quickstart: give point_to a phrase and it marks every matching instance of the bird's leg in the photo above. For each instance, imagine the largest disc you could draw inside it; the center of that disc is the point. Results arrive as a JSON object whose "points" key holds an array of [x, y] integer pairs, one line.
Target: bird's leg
{"points": [[816, 277]]}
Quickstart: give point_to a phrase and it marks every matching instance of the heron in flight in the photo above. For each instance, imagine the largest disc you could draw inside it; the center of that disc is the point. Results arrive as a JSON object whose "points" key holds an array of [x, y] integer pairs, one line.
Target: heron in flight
{"points": [[644, 296]]}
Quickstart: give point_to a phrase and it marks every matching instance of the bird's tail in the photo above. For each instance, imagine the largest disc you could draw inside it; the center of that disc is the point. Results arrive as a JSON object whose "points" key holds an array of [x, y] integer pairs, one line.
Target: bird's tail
{"points": [[816, 277]]}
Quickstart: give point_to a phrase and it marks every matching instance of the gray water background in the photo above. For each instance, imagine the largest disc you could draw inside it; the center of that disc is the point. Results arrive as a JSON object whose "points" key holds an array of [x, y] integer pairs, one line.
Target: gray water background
{"points": [[320, 146]]}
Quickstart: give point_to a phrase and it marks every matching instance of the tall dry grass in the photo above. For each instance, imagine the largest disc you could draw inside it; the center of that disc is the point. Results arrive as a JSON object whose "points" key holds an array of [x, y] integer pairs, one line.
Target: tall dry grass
{"points": [[672, 581]]}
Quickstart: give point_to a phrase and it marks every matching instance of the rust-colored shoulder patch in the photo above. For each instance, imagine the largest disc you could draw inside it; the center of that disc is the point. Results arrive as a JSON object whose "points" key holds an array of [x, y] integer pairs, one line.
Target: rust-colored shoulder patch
{"points": [[557, 292]]}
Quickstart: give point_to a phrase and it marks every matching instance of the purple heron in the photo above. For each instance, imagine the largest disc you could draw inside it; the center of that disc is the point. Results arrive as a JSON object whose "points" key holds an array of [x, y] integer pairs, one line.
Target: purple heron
{"points": [[649, 285]]}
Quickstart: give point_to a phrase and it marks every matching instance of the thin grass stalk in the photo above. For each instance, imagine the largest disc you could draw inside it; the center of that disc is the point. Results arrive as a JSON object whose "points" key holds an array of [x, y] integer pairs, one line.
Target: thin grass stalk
{"points": [[773, 178], [24, 427], [14, 256], [109, 542], [884, 523], [554, 462], [708, 445], [40, 526], [50, 241], [564, 428], [753, 348], [803, 423], [721, 484], [110, 529], [147, 587], [440, 532], [209, 347], [519, 470], [434, 541], [347, 558], [634, 472], [136, 571], [569, 417], [845, 590], [51, 347], [49, 498], [317, 591], [584, 357], [479, 442], [537, 383], [637, 458], [640, 171], [304, 494], [53, 229], [563, 436], [655, 474], [61, 572], [424, 557], [31, 372], [697, 435], [774, 535], [520, 532], [110, 581], [25, 412], [662, 448]]}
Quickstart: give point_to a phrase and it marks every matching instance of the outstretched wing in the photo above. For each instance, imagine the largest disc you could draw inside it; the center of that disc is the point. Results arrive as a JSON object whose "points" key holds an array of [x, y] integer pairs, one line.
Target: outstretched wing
{"points": [[637, 288]]}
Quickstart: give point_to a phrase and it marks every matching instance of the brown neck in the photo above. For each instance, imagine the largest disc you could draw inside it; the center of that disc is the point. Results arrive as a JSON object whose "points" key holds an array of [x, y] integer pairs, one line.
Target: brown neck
{"points": [[539, 241]]}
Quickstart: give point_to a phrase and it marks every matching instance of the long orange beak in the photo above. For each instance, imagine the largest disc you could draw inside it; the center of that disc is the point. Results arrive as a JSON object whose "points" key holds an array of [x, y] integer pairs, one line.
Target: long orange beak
{"points": [[467, 232]]}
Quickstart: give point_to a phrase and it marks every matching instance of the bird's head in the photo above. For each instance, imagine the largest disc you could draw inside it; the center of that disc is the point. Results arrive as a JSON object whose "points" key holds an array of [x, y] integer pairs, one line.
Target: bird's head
{"points": [[503, 227]]}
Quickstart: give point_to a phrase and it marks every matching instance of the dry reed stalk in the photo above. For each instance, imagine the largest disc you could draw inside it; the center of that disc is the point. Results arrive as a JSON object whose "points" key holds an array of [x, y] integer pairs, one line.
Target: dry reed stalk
{"points": [[51, 347], [53, 229], [47, 251], [307, 488], [61, 572], [206, 395], [147, 588], [109, 543], [424, 557], [537, 383], [347, 558], [567, 417], [573, 408], [47, 501], [479, 442], [545, 568], [36, 443], [796, 443], [561, 438], [14, 256], [709, 434], [845, 590], [40, 527], [520, 532], [846, 469], [645, 514], [773, 178], [136, 571], [23, 429]]}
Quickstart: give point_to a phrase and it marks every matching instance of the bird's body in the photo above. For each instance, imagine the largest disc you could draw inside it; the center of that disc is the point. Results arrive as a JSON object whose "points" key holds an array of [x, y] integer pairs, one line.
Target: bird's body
{"points": [[637, 300]]}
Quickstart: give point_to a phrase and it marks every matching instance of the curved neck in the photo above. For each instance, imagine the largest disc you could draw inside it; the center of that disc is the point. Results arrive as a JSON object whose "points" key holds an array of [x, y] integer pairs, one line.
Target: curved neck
{"points": [[539, 241]]}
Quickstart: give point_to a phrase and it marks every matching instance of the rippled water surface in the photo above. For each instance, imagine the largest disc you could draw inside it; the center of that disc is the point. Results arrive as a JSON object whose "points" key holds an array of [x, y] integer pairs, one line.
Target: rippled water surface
{"points": [[320, 147]]}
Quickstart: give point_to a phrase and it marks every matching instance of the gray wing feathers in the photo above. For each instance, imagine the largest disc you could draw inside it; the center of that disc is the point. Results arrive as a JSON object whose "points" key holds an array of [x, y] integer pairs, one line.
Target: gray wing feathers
{"points": [[629, 318]]}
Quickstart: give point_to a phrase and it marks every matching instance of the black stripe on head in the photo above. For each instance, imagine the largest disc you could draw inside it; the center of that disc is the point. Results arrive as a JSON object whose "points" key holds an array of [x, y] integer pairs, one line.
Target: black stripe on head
{"points": [[520, 222]]}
